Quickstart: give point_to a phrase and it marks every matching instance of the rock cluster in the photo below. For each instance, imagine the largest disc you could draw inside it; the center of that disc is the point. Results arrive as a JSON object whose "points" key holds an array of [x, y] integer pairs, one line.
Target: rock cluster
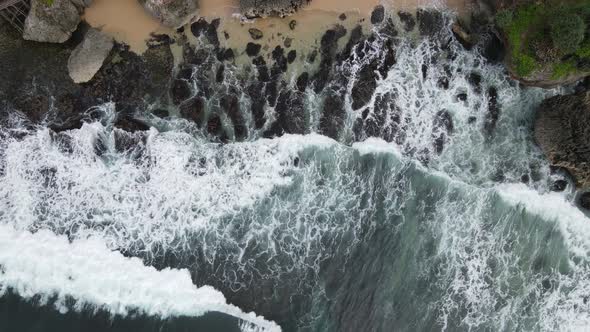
{"points": [[53, 22], [562, 130], [37, 83], [171, 13], [263, 8]]}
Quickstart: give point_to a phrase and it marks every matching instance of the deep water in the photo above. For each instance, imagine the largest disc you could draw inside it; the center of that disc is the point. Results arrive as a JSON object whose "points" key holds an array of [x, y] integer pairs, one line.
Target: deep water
{"points": [[115, 231]]}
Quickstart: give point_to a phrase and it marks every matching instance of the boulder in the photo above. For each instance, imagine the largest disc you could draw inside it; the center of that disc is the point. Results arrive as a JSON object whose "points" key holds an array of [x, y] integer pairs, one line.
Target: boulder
{"points": [[87, 58], [171, 13], [562, 130], [430, 22], [263, 8], [81, 4], [51, 23], [378, 14]]}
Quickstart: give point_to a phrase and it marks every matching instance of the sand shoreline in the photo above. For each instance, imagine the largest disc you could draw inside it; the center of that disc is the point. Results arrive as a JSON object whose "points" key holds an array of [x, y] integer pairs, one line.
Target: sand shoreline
{"points": [[129, 23]]}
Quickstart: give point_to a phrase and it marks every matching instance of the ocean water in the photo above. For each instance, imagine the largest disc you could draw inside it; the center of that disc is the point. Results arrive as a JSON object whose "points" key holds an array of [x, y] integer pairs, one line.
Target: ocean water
{"points": [[176, 232]]}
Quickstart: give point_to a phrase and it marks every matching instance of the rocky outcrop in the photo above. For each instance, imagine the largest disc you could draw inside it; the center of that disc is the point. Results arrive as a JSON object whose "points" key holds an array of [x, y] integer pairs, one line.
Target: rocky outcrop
{"points": [[36, 88], [52, 22], [171, 13], [562, 130], [89, 56], [263, 8]]}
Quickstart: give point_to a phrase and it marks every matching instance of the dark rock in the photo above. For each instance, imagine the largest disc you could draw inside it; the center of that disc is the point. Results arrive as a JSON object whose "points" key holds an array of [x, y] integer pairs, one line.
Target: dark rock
{"points": [[442, 128], [378, 14], [388, 59], [471, 119], [312, 56], [462, 96], [181, 91], [129, 143], [562, 131], [291, 56], [253, 49], [584, 200], [389, 29], [193, 110], [257, 103], [493, 48], [220, 74], [280, 62], [262, 68], [525, 178], [271, 92], [493, 111], [290, 112], [443, 83], [159, 40], [201, 27], [444, 120], [161, 113], [342, 17], [474, 80], [328, 49], [226, 35], [255, 33], [287, 42], [214, 125], [559, 185], [356, 35], [292, 24], [408, 20], [130, 124], [462, 36], [424, 69], [227, 55], [365, 85], [302, 81], [265, 8], [230, 104], [430, 22], [198, 27], [333, 115]]}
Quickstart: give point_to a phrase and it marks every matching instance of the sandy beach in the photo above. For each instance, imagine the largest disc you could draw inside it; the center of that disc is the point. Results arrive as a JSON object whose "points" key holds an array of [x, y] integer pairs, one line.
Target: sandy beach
{"points": [[129, 23]]}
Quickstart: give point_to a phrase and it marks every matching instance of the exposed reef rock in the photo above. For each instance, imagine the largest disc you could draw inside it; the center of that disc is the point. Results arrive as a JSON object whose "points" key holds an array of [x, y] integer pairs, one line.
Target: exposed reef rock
{"points": [[263, 8], [89, 56], [562, 129], [171, 13], [38, 87], [52, 22]]}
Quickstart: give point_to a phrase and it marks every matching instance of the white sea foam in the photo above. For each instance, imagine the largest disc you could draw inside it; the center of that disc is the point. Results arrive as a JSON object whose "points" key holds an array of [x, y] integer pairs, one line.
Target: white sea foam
{"points": [[574, 225], [86, 270]]}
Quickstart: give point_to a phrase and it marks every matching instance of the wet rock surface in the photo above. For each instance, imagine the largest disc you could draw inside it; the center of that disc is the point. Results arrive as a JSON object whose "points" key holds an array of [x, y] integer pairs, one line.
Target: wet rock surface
{"points": [[51, 22], [87, 58], [263, 8], [37, 84], [171, 13], [562, 130]]}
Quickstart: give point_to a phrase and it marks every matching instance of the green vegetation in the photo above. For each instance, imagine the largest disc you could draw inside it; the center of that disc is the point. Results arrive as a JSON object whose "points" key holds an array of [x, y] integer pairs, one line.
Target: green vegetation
{"points": [[567, 32], [563, 69], [547, 36], [48, 2]]}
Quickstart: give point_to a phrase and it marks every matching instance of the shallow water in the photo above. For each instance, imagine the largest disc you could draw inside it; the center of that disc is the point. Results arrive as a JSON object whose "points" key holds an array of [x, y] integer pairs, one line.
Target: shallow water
{"points": [[312, 233]]}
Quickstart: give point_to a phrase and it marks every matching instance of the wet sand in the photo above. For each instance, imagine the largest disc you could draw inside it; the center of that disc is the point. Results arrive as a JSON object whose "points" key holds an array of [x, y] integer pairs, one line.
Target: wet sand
{"points": [[125, 20], [128, 22]]}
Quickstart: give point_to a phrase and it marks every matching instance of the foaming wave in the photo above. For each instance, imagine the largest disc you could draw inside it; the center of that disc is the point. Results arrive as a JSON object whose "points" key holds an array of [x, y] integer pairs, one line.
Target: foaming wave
{"points": [[51, 268]]}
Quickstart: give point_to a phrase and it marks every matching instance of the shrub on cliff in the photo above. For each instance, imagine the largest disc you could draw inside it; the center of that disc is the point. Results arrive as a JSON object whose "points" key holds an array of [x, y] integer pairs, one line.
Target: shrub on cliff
{"points": [[567, 32], [548, 41]]}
